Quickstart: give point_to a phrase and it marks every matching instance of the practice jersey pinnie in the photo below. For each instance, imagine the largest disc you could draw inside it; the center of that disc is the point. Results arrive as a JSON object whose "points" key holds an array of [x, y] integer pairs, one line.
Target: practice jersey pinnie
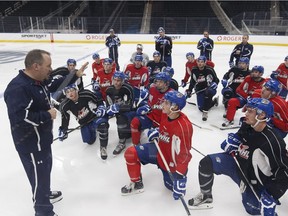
{"points": [[154, 101], [248, 86], [175, 142], [263, 158], [137, 76], [124, 97], [83, 109], [235, 76]]}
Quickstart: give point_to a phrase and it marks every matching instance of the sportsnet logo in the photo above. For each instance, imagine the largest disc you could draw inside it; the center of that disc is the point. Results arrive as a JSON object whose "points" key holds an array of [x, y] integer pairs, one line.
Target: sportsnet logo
{"points": [[136, 77], [157, 106]]}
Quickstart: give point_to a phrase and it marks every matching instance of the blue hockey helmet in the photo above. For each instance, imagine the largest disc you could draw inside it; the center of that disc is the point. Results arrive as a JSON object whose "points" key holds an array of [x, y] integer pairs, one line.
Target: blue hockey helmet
{"points": [[71, 61], [261, 105], [107, 61], [71, 86], [156, 53], [138, 58], [286, 58], [160, 29], [169, 70], [245, 60], [202, 58], [274, 85], [95, 56], [176, 98], [258, 68], [163, 76], [190, 54], [120, 75]]}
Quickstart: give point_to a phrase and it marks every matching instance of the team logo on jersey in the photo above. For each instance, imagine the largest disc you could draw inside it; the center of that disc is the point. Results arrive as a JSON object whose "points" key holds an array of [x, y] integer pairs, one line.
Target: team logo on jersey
{"points": [[136, 77], [82, 113], [201, 79], [243, 151], [157, 106], [106, 83], [164, 137]]}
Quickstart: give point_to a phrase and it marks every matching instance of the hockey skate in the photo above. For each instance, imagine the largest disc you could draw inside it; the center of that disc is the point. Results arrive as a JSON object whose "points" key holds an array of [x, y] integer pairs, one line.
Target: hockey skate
{"points": [[55, 196], [227, 123], [120, 147], [201, 201], [103, 153], [133, 188], [204, 115]]}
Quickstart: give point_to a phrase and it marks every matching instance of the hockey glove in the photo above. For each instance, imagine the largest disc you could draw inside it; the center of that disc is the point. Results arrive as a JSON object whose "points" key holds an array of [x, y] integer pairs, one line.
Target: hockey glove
{"points": [[183, 83], [231, 144], [101, 111], [231, 64], [152, 134], [96, 86], [213, 86], [224, 83], [188, 93], [143, 110], [179, 187], [62, 134], [113, 109], [144, 93], [268, 204], [274, 74]]}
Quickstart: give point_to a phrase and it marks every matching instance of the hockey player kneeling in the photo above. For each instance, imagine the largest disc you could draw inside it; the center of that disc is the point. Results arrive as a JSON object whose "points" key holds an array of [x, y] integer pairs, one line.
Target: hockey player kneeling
{"points": [[255, 159], [174, 137]]}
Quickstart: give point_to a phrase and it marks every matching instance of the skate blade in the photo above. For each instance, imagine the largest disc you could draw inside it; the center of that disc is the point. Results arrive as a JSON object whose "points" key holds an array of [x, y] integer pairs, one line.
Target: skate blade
{"points": [[201, 206], [133, 192]]}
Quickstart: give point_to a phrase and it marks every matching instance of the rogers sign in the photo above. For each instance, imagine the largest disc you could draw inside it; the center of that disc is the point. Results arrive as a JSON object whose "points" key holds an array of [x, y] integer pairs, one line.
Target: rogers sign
{"points": [[228, 38], [96, 37]]}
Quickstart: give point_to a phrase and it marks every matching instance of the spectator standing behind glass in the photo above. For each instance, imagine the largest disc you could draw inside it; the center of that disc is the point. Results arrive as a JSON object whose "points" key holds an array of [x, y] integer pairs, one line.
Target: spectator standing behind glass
{"points": [[112, 42], [163, 44], [206, 45], [244, 49]]}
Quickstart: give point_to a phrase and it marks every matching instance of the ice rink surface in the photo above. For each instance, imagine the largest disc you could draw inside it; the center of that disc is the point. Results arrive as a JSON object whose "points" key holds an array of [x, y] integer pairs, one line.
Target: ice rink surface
{"points": [[91, 186]]}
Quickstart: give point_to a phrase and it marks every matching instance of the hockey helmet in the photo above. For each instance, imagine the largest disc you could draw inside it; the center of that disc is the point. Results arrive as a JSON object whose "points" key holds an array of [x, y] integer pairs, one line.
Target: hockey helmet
{"points": [[95, 56], [71, 86], [163, 76], [258, 68], [202, 58], [120, 75], [169, 70], [107, 61], [71, 61], [274, 85], [286, 58], [176, 98], [261, 105], [138, 58], [190, 54], [156, 53], [245, 60]]}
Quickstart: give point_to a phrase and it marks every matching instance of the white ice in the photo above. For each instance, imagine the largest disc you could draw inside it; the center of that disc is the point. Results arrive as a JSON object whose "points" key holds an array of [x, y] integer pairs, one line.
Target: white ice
{"points": [[91, 186]]}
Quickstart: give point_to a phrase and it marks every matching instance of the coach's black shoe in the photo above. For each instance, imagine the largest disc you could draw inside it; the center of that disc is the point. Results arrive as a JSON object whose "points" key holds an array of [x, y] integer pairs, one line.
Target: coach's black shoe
{"points": [[55, 196]]}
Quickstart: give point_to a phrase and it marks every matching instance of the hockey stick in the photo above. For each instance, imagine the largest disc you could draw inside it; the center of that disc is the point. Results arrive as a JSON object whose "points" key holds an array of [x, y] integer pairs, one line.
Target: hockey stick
{"points": [[205, 128], [226, 128], [170, 175], [192, 103], [70, 130], [245, 178]]}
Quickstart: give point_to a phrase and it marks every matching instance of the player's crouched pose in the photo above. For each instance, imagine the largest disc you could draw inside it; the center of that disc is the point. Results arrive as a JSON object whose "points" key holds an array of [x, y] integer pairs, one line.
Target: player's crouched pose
{"points": [[255, 158], [90, 113], [174, 139]]}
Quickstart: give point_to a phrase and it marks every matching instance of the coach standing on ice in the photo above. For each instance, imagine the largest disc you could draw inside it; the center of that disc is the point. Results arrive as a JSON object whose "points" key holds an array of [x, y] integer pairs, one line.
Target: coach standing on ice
{"points": [[163, 44], [112, 42], [31, 118]]}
